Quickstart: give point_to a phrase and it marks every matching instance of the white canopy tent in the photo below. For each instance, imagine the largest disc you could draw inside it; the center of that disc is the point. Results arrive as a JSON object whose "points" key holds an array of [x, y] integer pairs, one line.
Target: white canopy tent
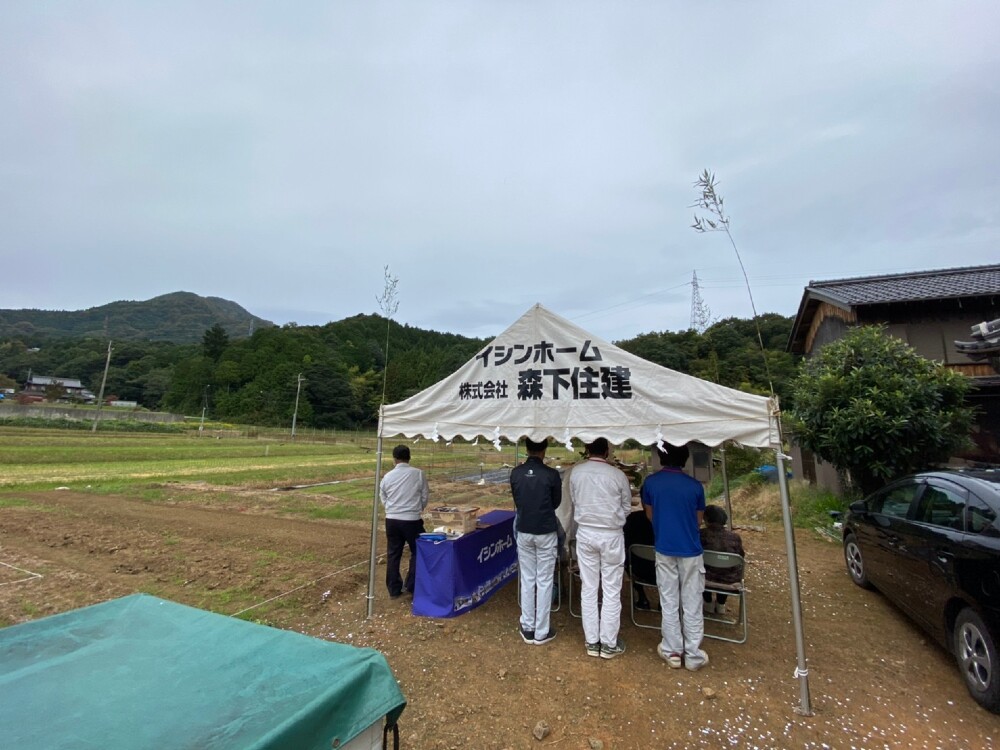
{"points": [[546, 377]]}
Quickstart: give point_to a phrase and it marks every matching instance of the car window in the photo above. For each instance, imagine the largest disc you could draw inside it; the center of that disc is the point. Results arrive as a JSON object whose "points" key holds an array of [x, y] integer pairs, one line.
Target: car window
{"points": [[895, 501], [943, 505], [980, 518]]}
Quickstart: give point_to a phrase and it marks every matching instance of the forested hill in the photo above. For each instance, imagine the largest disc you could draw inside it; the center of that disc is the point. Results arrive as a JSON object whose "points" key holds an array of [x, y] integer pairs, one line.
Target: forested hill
{"points": [[342, 367], [254, 380], [179, 317]]}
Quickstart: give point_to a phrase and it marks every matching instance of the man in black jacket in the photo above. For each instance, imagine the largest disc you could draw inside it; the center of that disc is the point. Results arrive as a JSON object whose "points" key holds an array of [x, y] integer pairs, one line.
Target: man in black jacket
{"points": [[537, 491]]}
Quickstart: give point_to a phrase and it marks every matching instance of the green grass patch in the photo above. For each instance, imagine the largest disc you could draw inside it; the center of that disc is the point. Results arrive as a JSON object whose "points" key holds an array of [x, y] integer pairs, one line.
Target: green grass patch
{"points": [[17, 502], [340, 513], [811, 506], [120, 463], [265, 560]]}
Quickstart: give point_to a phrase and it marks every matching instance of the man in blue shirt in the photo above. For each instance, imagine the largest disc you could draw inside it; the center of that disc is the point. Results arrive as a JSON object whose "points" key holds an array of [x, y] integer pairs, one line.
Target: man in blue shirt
{"points": [[675, 503]]}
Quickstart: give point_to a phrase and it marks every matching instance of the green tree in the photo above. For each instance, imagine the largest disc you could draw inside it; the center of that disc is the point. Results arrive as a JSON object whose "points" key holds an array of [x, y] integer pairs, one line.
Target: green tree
{"points": [[214, 342], [875, 409], [54, 392]]}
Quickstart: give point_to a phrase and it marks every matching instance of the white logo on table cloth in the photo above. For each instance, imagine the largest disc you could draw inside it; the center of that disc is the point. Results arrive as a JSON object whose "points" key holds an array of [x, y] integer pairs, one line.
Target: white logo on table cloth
{"points": [[484, 589], [494, 549]]}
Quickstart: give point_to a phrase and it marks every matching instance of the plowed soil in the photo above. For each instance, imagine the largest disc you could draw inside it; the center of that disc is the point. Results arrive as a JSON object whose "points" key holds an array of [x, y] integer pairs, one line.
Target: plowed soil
{"points": [[875, 680]]}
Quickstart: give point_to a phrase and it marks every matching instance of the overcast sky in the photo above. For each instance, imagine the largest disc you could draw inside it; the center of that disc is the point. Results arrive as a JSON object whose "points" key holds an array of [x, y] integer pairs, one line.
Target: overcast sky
{"points": [[491, 154]]}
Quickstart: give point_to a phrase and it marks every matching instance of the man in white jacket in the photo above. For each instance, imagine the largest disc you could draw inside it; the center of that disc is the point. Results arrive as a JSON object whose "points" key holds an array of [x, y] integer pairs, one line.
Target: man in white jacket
{"points": [[404, 493], [601, 498]]}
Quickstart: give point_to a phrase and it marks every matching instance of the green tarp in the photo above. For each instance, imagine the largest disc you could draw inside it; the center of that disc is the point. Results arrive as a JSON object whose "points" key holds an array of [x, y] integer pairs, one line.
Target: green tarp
{"points": [[143, 672]]}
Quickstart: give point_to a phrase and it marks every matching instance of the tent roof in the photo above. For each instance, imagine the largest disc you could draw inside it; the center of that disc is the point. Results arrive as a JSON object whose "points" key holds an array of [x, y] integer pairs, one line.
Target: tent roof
{"points": [[145, 672], [546, 377]]}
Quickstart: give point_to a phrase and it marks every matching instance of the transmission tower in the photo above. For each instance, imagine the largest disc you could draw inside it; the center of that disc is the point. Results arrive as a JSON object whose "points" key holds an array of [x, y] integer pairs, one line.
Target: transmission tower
{"points": [[700, 314]]}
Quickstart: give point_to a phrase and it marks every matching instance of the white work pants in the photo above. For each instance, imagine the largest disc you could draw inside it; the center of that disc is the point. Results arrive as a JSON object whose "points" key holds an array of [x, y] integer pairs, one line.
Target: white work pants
{"points": [[601, 556], [536, 564], [681, 581]]}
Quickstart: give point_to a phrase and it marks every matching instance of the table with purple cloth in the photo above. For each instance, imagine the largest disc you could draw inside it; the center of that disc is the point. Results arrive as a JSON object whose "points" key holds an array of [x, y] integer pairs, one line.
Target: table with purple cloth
{"points": [[457, 575]]}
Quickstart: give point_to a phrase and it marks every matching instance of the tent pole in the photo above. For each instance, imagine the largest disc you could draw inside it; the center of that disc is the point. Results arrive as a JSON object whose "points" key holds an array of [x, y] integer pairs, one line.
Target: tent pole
{"points": [[374, 539], [801, 670], [725, 488]]}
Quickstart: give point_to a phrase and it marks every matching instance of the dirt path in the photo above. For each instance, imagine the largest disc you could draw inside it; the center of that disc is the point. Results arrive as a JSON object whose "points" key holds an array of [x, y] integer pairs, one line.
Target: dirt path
{"points": [[876, 681]]}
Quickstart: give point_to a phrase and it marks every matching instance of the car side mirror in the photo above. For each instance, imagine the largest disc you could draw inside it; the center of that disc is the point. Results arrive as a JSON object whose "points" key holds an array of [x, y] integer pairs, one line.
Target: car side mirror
{"points": [[859, 506]]}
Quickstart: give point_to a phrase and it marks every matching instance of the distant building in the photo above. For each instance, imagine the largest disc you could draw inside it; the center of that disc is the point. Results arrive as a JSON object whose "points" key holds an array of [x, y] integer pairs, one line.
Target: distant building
{"points": [[73, 389], [930, 311]]}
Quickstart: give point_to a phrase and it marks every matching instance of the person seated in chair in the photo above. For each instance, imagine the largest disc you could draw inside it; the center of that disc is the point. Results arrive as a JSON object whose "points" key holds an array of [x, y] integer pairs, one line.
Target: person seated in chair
{"points": [[639, 530], [716, 537]]}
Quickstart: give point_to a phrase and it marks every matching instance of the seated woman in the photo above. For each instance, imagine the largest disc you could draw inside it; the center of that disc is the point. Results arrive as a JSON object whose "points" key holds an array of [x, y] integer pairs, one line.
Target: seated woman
{"points": [[715, 536]]}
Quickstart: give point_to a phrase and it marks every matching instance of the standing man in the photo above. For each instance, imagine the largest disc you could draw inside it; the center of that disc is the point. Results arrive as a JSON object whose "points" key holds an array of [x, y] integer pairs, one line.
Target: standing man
{"points": [[601, 499], [404, 493], [537, 491], [675, 503]]}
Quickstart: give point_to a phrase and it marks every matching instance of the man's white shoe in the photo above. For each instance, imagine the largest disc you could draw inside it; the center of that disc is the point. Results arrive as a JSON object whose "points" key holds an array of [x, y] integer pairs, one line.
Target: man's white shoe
{"points": [[703, 662], [672, 660]]}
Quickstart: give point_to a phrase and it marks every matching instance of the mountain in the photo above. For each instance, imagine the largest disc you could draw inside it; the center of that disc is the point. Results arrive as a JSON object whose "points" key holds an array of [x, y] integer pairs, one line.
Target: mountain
{"points": [[179, 317]]}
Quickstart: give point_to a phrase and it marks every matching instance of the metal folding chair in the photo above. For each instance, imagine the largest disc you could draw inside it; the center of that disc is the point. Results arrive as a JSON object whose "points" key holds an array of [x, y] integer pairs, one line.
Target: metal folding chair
{"points": [[573, 574], [648, 553], [730, 590]]}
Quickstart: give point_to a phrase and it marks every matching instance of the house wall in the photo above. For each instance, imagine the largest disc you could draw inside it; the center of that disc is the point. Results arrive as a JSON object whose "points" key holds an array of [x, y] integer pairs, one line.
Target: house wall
{"points": [[807, 467], [829, 329], [931, 328], [986, 430], [828, 324]]}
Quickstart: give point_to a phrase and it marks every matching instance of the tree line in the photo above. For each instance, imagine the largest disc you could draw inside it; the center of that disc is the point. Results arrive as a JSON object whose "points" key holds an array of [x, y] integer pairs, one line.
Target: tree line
{"points": [[254, 380]]}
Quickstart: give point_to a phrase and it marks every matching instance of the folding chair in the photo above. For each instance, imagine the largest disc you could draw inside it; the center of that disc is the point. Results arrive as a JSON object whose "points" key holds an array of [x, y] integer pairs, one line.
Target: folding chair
{"points": [[573, 573], [645, 552], [730, 590]]}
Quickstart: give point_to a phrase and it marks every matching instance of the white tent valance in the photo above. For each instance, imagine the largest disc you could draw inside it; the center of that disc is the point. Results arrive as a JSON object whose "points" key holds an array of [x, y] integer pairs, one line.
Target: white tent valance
{"points": [[545, 377]]}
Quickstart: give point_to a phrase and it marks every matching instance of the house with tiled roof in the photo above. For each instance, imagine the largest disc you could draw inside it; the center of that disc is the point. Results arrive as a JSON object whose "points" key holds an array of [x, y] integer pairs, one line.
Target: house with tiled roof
{"points": [[929, 310], [39, 385]]}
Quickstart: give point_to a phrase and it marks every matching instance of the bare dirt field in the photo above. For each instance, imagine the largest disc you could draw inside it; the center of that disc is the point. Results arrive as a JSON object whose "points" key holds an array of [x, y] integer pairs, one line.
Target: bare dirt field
{"points": [[876, 681]]}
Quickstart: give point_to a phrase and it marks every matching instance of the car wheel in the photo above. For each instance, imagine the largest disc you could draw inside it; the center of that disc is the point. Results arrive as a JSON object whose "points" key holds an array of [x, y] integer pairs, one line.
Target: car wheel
{"points": [[977, 659], [855, 562]]}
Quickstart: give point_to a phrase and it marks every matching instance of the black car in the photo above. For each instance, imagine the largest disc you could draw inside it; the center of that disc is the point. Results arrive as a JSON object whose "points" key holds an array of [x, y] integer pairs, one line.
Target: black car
{"points": [[930, 542]]}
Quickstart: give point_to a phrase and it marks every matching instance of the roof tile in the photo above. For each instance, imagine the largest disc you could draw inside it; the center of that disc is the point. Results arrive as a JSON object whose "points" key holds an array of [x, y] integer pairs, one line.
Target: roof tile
{"points": [[912, 287]]}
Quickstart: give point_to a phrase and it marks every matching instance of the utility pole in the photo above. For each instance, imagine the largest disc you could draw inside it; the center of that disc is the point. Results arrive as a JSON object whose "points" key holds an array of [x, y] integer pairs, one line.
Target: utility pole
{"points": [[295, 414], [204, 408], [100, 396]]}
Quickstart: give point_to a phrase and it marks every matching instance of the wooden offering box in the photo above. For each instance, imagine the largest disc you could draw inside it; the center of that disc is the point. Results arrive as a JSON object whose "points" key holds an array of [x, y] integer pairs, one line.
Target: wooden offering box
{"points": [[459, 519]]}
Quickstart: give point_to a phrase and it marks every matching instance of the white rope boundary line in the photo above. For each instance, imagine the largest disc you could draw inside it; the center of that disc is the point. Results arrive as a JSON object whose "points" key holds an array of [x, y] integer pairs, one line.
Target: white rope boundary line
{"points": [[31, 576], [337, 572]]}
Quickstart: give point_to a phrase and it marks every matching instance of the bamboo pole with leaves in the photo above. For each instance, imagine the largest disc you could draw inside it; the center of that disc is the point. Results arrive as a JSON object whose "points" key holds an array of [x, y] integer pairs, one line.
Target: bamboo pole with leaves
{"points": [[711, 201], [389, 303]]}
